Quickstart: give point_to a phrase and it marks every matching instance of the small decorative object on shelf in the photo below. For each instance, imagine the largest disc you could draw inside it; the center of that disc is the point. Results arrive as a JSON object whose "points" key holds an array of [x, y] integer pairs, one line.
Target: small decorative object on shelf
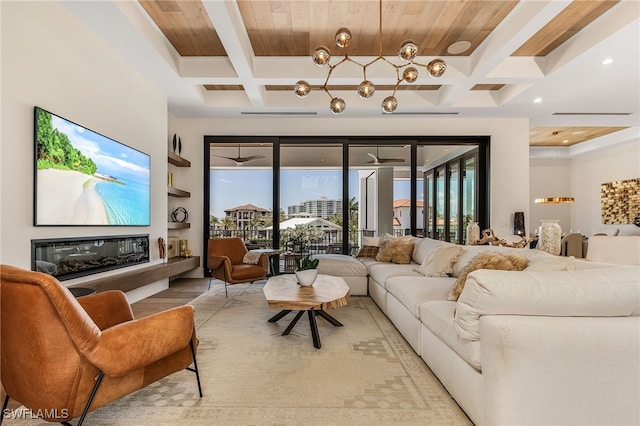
{"points": [[180, 214], [162, 249], [179, 145], [183, 248], [307, 271], [175, 143], [170, 180], [550, 237], [518, 224], [473, 232]]}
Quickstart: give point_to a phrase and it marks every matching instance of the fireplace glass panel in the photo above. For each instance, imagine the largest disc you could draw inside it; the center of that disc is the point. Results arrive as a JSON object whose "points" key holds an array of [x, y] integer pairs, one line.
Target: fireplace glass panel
{"points": [[67, 258]]}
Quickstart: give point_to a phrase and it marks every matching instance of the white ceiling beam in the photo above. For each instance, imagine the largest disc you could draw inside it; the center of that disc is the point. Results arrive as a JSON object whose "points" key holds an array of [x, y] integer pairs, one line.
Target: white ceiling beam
{"points": [[226, 19], [526, 19]]}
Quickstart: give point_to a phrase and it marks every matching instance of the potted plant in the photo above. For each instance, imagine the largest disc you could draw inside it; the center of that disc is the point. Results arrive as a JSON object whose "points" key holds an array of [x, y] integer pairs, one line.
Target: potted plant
{"points": [[307, 271]]}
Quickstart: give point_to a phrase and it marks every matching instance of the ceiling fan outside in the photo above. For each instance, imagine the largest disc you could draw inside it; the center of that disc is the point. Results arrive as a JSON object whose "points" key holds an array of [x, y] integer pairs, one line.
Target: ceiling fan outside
{"points": [[377, 160], [240, 160]]}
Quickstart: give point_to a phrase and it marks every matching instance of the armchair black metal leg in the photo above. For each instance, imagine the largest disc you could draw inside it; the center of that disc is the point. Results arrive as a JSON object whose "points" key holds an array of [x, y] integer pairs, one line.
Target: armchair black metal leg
{"points": [[225, 289], [195, 367], [4, 407], [93, 394]]}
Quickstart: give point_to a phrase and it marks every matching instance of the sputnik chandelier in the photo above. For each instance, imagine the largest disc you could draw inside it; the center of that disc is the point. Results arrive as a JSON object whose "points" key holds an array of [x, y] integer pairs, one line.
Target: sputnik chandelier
{"points": [[406, 71]]}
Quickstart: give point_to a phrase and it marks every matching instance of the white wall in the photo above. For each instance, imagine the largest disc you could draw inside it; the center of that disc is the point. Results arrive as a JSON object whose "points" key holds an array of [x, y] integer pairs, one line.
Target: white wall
{"points": [[589, 171], [580, 177], [549, 178], [51, 60], [509, 150]]}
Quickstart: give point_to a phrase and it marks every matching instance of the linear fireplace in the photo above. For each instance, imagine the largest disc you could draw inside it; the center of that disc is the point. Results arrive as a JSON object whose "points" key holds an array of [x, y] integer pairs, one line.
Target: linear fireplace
{"points": [[67, 258]]}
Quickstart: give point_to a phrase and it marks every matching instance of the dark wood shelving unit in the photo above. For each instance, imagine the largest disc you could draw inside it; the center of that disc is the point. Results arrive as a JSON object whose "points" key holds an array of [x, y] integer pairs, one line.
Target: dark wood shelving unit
{"points": [[178, 161], [175, 192], [129, 280], [178, 225]]}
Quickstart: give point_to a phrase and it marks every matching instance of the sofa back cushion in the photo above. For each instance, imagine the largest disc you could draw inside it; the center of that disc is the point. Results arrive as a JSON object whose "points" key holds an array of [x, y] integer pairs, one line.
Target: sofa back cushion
{"points": [[622, 250], [608, 292]]}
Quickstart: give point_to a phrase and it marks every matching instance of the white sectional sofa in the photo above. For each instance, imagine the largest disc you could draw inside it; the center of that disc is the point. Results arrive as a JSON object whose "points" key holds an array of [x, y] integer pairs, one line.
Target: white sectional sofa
{"points": [[555, 344]]}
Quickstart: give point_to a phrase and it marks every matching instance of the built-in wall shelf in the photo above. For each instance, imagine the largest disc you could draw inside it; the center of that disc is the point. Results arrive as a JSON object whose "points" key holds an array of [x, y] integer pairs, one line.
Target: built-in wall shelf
{"points": [[175, 192], [129, 280], [178, 161], [178, 225]]}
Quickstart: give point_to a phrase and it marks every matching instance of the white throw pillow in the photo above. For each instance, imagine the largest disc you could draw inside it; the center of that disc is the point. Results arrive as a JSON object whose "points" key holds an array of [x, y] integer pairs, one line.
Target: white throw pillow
{"points": [[440, 262], [424, 247], [371, 241]]}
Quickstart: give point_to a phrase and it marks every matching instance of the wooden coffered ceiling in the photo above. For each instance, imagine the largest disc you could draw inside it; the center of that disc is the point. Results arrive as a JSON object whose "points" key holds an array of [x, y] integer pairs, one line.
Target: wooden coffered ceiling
{"points": [[256, 48]]}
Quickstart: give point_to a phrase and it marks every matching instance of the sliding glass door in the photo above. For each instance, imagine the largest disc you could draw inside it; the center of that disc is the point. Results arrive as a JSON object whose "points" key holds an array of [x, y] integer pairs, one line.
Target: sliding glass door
{"points": [[451, 190], [264, 189]]}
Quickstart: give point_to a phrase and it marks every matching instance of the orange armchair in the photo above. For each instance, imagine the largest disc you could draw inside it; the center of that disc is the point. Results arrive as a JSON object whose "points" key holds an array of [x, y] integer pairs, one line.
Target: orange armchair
{"points": [[65, 357], [225, 259]]}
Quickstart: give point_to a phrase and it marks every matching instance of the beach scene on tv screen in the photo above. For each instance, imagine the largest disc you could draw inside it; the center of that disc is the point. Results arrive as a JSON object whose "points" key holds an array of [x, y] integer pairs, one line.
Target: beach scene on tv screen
{"points": [[84, 178]]}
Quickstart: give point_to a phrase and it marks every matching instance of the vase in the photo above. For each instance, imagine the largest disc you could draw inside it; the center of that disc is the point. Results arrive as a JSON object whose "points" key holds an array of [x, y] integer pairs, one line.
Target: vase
{"points": [[307, 277], [549, 237], [473, 232]]}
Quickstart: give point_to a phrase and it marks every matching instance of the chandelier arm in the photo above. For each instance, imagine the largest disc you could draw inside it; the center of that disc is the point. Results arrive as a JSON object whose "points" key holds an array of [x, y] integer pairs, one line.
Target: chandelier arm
{"points": [[380, 26], [391, 63]]}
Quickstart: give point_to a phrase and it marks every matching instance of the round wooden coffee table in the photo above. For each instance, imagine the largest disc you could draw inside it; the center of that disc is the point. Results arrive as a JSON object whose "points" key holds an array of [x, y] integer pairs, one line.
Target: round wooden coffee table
{"points": [[327, 292]]}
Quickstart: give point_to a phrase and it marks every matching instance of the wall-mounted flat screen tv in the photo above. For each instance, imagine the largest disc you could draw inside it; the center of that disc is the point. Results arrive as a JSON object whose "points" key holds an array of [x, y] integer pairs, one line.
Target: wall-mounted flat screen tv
{"points": [[83, 178]]}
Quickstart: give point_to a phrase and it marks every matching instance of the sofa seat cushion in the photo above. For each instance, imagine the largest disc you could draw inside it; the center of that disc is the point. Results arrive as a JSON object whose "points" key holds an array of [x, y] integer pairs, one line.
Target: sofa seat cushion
{"points": [[438, 316], [414, 291], [340, 265], [607, 292], [382, 271]]}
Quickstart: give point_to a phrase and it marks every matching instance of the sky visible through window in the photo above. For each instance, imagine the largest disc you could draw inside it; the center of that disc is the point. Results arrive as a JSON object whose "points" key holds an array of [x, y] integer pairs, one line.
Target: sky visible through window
{"points": [[235, 187]]}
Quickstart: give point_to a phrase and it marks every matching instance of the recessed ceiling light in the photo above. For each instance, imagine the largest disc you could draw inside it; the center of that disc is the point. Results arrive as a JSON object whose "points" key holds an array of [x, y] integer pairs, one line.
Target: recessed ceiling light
{"points": [[459, 47], [565, 141], [607, 61], [537, 100]]}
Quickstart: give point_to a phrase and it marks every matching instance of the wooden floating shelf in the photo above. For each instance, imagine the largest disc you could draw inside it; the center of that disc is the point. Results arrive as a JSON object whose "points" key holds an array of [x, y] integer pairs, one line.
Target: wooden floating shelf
{"points": [[175, 192], [178, 161], [129, 280], [178, 225]]}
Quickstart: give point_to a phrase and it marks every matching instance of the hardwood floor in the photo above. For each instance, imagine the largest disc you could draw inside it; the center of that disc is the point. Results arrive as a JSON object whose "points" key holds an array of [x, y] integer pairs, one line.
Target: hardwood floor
{"points": [[180, 292]]}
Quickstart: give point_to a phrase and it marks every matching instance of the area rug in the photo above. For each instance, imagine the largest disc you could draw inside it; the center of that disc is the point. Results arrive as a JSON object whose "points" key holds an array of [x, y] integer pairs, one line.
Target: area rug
{"points": [[364, 374]]}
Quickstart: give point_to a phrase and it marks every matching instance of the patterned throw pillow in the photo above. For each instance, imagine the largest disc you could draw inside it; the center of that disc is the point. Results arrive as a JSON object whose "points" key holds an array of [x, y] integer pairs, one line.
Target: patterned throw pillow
{"points": [[368, 251], [488, 260]]}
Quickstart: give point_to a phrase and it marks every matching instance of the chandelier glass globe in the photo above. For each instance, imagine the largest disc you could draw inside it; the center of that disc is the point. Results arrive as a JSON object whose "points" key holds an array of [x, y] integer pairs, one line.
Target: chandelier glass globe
{"points": [[337, 105], [366, 89], [389, 104], [343, 37], [408, 51], [301, 89], [321, 56], [436, 68], [410, 75]]}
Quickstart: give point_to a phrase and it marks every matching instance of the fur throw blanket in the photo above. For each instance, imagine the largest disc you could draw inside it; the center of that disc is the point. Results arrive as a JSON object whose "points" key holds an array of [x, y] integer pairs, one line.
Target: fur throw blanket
{"points": [[488, 260]]}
